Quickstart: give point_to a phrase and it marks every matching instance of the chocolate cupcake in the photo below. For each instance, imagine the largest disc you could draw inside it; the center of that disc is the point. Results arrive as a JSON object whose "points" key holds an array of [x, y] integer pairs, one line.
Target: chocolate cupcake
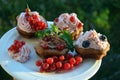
{"points": [[51, 46]]}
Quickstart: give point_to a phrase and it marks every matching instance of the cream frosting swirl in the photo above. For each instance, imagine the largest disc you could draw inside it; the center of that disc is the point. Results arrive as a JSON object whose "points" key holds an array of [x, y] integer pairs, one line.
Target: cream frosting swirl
{"points": [[65, 23], [93, 37], [23, 24], [22, 56]]}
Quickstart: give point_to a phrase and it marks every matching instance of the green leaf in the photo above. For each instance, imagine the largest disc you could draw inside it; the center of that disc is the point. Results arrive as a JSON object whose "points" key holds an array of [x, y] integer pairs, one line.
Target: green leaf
{"points": [[68, 38], [55, 29]]}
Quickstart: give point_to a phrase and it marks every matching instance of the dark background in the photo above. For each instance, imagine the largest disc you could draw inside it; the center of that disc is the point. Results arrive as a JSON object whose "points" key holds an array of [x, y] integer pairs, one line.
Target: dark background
{"points": [[104, 15]]}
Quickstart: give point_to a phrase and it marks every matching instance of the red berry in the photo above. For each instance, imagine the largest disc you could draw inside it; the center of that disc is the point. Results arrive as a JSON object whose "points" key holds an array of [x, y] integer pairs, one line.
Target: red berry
{"points": [[59, 64], [50, 60], [45, 46], [55, 58], [59, 70], [72, 18], [61, 58], [34, 16], [38, 63], [16, 42], [68, 56], [78, 59], [19, 45], [60, 47], [79, 25], [67, 66], [42, 70], [52, 67], [22, 42], [72, 61], [56, 19], [45, 66], [76, 63], [71, 66]]}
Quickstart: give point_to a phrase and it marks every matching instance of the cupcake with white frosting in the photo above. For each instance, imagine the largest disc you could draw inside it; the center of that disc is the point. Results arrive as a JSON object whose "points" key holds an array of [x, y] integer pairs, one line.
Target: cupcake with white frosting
{"points": [[69, 22], [92, 45], [19, 51], [28, 23]]}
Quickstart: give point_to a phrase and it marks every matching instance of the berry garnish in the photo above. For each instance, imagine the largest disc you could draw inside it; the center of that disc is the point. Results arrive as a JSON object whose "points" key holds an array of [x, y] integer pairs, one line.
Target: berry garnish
{"points": [[38, 63], [62, 58], [103, 38], [86, 44], [45, 46], [67, 66], [79, 25], [52, 67], [60, 47], [55, 58], [16, 46], [72, 60], [58, 63], [35, 21], [72, 18], [78, 59], [68, 56], [45, 66], [50, 60]]}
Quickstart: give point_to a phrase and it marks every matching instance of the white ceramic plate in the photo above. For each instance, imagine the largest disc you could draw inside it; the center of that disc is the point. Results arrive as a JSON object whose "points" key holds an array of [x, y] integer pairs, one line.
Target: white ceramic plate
{"points": [[29, 71]]}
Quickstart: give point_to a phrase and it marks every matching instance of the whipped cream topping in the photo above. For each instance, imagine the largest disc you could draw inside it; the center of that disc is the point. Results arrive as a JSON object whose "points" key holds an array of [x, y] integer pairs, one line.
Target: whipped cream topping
{"points": [[24, 25], [22, 56], [65, 23], [93, 37]]}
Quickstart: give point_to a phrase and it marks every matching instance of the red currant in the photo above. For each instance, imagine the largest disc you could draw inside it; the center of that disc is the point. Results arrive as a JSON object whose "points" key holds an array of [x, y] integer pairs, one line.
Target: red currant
{"points": [[61, 58], [42, 70], [79, 25], [59, 64], [34, 16], [72, 18], [52, 67], [45, 66], [50, 60], [60, 47], [71, 66], [38, 63], [55, 58], [72, 61], [45, 46], [68, 56], [67, 66], [78, 59]]}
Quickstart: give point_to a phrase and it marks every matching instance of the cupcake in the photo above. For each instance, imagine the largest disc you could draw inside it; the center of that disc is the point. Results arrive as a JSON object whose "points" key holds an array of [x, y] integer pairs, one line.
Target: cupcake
{"points": [[19, 51], [51, 46], [92, 45], [28, 23], [69, 22]]}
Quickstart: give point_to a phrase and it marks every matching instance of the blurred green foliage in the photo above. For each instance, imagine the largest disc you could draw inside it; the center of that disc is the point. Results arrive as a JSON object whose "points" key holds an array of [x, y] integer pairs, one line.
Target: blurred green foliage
{"points": [[103, 15]]}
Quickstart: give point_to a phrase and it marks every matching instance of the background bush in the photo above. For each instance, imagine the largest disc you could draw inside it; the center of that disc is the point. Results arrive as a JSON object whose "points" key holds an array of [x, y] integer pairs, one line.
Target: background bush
{"points": [[103, 15]]}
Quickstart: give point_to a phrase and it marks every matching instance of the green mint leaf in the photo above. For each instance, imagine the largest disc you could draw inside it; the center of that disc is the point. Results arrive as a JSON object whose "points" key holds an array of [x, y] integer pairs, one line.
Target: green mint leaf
{"points": [[55, 29], [68, 38]]}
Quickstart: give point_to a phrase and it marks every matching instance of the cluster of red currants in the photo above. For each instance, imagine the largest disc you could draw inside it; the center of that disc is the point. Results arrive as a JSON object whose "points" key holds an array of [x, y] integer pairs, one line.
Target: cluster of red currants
{"points": [[34, 21], [59, 63], [16, 46]]}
